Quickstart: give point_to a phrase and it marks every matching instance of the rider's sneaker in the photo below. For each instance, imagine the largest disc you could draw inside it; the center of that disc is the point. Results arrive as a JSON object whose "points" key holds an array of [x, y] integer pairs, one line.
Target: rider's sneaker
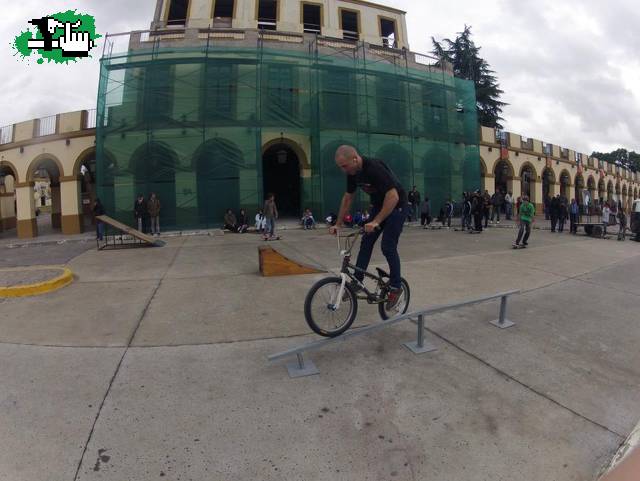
{"points": [[393, 297]]}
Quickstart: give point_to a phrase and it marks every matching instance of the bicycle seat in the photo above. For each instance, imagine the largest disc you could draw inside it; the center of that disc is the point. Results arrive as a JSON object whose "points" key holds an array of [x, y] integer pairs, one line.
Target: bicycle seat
{"points": [[381, 273]]}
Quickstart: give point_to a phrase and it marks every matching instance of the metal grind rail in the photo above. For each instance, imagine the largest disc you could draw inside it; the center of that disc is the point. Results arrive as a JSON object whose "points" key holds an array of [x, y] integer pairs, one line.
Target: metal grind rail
{"points": [[307, 368]]}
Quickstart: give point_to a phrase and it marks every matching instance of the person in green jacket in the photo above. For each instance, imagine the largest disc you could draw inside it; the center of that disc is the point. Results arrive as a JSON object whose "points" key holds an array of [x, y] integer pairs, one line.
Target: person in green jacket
{"points": [[527, 211]]}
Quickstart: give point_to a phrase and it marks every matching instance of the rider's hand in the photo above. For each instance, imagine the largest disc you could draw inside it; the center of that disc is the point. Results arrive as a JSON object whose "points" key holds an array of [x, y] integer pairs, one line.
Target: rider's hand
{"points": [[371, 226], [333, 230]]}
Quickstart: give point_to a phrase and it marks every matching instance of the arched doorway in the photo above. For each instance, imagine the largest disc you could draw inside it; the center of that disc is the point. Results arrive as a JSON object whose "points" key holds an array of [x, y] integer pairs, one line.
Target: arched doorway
{"points": [[548, 183], [45, 172], [281, 176], [579, 187], [527, 183], [154, 170], [85, 168], [217, 164], [8, 178], [601, 191], [565, 185], [503, 177]]}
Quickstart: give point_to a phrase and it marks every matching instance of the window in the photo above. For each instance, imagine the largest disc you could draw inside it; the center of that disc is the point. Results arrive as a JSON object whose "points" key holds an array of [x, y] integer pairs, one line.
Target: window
{"points": [[388, 33], [222, 13], [281, 94], [158, 95], [178, 12], [312, 18], [338, 99], [223, 9], [349, 24], [267, 14], [219, 92]]}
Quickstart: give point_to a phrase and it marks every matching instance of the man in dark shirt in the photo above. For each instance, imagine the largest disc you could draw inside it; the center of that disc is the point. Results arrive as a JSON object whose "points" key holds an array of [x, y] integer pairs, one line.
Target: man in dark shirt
{"points": [[389, 211]]}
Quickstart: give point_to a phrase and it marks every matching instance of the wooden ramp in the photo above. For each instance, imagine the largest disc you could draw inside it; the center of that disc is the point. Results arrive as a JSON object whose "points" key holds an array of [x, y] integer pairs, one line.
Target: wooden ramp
{"points": [[143, 239], [272, 263]]}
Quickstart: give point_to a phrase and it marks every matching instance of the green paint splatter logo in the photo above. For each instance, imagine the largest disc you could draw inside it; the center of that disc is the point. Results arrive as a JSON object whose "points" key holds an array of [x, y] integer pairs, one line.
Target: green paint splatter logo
{"points": [[60, 37]]}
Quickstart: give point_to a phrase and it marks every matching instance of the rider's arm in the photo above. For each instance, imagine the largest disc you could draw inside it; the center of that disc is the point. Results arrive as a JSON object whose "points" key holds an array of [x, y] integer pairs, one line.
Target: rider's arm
{"points": [[345, 206], [390, 201]]}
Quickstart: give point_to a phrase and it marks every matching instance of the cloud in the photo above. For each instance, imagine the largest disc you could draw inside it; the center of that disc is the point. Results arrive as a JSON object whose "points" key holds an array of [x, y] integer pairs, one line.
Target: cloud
{"points": [[569, 69]]}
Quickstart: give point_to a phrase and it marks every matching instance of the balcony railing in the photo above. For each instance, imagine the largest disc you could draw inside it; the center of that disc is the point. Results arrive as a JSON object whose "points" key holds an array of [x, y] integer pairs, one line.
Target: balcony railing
{"points": [[312, 28], [564, 153], [46, 126], [6, 134], [349, 35], [390, 42]]}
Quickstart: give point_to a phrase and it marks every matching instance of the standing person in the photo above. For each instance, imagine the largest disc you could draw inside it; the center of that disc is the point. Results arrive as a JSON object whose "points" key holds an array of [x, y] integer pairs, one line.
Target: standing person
{"points": [[140, 212], [606, 212], [574, 213], [486, 207], [622, 221], [466, 211], [448, 212], [388, 213], [98, 209], [496, 203], [508, 205], [414, 204], [554, 211], [477, 209], [563, 213], [527, 212], [270, 214], [425, 212], [153, 209]]}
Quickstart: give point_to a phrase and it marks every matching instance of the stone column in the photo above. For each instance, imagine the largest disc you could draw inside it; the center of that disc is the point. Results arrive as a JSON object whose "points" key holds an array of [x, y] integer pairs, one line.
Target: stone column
{"points": [[537, 188], [56, 207], [27, 225], [70, 193], [7, 211]]}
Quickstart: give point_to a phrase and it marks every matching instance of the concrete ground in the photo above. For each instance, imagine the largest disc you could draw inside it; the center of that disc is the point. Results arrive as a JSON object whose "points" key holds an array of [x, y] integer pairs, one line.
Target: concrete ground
{"points": [[152, 365]]}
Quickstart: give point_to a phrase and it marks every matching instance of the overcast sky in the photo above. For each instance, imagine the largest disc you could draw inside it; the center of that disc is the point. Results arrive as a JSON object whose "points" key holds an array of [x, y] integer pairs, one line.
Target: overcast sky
{"points": [[570, 70]]}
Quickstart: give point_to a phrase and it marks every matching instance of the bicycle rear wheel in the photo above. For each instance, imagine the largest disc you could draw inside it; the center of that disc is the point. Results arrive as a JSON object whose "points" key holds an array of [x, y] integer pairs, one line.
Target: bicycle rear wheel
{"points": [[387, 312], [320, 309]]}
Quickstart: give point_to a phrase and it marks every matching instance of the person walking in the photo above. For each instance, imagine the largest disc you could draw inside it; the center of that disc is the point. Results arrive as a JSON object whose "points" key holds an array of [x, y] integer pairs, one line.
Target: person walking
{"points": [[270, 215], [606, 213], [622, 222], [98, 209], [563, 213], [466, 212], [527, 212], [508, 205], [140, 212], [448, 213], [574, 214], [153, 209], [554, 211], [496, 204], [478, 209]]}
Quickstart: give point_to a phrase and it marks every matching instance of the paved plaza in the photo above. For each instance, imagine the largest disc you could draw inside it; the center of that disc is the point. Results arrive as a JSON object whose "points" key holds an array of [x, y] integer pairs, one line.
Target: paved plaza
{"points": [[152, 364]]}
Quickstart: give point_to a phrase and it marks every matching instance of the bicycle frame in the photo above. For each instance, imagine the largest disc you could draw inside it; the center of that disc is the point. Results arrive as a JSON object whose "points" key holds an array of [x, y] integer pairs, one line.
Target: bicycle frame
{"points": [[348, 271]]}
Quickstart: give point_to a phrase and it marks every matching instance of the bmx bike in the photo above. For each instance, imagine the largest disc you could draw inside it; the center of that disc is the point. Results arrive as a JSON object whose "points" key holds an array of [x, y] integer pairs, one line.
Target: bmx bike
{"points": [[331, 304]]}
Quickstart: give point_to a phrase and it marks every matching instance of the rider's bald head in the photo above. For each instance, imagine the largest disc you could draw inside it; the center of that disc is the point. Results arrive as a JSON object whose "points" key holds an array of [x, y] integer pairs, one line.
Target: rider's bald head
{"points": [[348, 159]]}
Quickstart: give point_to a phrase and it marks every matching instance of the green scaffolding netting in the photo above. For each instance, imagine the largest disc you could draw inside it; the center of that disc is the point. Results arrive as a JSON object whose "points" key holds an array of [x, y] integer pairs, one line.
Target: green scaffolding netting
{"points": [[213, 128]]}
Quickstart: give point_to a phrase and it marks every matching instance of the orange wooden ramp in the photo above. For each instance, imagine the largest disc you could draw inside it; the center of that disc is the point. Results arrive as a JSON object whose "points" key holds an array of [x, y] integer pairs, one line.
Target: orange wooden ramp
{"points": [[272, 263]]}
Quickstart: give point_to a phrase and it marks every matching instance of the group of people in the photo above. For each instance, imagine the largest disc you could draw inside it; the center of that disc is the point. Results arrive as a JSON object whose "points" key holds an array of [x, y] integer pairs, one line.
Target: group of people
{"points": [[146, 213], [265, 219]]}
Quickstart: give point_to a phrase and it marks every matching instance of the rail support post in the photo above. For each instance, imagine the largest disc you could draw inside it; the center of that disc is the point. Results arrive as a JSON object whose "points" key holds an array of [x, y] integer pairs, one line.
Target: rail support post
{"points": [[302, 368], [502, 322], [420, 346]]}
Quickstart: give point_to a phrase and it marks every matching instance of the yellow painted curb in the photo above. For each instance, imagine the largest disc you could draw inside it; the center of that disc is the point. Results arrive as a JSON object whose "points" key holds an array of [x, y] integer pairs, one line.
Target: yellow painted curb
{"points": [[51, 285]]}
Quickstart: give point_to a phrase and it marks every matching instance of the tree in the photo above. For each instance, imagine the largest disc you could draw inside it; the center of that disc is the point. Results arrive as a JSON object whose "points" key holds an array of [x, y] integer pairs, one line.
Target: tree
{"points": [[463, 54], [622, 157]]}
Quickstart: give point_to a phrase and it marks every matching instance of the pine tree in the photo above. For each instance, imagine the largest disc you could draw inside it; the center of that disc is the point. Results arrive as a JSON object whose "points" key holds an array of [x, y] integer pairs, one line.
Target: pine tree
{"points": [[463, 54]]}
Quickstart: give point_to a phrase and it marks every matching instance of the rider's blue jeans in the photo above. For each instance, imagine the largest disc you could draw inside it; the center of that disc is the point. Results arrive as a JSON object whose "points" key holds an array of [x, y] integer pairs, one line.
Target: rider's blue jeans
{"points": [[391, 229]]}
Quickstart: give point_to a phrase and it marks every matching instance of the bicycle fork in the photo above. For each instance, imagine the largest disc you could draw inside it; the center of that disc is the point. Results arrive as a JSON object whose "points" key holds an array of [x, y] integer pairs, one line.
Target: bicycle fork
{"points": [[335, 304]]}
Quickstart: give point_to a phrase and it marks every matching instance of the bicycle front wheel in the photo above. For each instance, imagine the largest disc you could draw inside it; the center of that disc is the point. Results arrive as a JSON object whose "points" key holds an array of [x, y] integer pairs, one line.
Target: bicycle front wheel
{"points": [[386, 311], [321, 311]]}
